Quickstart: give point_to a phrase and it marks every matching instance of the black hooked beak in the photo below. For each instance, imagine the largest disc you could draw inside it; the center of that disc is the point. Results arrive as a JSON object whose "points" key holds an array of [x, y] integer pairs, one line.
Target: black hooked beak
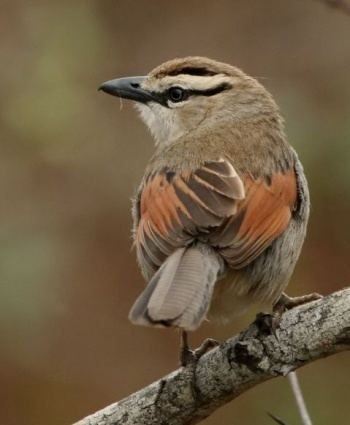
{"points": [[127, 88]]}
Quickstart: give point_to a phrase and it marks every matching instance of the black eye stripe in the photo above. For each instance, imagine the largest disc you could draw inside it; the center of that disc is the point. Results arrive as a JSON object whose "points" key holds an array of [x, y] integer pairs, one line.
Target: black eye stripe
{"points": [[189, 70], [163, 97]]}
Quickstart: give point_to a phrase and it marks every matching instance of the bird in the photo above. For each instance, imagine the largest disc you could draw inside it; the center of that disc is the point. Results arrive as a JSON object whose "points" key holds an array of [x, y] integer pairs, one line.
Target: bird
{"points": [[221, 213]]}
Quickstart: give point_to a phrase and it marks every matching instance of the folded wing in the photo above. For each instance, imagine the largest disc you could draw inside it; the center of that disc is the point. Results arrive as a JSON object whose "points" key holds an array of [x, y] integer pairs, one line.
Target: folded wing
{"points": [[238, 215]]}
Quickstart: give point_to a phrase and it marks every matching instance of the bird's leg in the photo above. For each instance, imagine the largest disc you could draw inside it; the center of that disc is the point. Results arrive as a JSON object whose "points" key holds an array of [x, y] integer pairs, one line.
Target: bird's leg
{"points": [[285, 302], [270, 322], [188, 356]]}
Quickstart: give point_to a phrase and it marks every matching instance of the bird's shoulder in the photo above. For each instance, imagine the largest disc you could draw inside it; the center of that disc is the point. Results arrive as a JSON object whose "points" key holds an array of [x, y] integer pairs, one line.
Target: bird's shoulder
{"points": [[251, 151]]}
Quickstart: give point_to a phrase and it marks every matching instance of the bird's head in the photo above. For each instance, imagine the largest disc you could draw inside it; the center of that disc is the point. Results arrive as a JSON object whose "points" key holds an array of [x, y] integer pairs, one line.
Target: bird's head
{"points": [[182, 94]]}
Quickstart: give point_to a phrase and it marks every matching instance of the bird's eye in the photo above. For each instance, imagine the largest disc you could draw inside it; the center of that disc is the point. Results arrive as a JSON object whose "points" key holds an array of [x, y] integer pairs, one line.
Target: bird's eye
{"points": [[176, 94]]}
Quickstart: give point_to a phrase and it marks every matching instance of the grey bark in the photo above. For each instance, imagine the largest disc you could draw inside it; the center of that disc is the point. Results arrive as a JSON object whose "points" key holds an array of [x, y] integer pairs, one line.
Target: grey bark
{"points": [[188, 395]]}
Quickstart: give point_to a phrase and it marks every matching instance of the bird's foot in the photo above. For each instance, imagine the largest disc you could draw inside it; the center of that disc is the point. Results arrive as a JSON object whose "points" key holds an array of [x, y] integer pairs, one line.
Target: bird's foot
{"points": [[207, 345], [188, 356], [285, 302], [268, 323]]}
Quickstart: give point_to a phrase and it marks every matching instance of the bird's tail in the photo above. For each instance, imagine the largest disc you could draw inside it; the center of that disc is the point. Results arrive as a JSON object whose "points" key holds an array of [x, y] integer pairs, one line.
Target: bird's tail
{"points": [[180, 292]]}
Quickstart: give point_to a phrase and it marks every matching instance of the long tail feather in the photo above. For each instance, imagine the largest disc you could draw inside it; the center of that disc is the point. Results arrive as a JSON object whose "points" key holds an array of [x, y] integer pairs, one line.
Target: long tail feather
{"points": [[179, 294]]}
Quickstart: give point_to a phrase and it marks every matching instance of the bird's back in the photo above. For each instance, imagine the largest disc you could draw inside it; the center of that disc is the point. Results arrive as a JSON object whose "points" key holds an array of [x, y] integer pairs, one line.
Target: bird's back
{"points": [[258, 258]]}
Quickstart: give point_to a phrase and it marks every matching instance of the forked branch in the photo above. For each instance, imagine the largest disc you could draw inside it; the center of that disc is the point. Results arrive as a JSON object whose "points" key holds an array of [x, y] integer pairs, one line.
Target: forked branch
{"points": [[188, 395]]}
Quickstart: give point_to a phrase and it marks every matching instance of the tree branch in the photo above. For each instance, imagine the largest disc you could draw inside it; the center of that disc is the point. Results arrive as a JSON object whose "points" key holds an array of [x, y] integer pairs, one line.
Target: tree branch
{"points": [[188, 395]]}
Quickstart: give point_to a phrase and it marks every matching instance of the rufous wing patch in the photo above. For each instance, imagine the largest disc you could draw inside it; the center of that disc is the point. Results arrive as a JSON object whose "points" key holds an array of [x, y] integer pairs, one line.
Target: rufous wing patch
{"points": [[240, 217], [177, 208], [262, 216]]}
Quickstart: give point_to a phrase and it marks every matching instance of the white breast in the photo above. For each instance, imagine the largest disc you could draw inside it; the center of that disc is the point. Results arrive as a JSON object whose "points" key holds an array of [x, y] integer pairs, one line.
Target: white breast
{"points": [[162, 122]]}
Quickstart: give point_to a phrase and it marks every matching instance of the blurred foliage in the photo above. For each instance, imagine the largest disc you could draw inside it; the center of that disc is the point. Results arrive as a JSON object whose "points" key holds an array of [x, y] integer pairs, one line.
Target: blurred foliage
{"points": [[70, 159]]}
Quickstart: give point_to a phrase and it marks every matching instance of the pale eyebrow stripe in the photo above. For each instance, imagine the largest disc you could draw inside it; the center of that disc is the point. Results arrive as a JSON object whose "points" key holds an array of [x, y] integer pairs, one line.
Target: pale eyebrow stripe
{"points": [[211, 91]]}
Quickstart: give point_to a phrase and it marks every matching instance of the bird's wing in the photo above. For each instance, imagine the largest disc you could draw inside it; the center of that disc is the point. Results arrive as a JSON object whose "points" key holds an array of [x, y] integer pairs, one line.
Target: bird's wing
{"points": [[238, 216], [262, 216]]}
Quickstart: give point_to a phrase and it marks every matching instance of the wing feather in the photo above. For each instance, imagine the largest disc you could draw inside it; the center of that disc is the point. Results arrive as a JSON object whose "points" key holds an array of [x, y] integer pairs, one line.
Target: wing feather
{"points": [[239, 216]]}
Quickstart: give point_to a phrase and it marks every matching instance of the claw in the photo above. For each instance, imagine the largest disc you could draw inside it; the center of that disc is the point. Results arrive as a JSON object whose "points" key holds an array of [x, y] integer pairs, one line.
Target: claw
{"points": [[285, 302], [188, 356]]}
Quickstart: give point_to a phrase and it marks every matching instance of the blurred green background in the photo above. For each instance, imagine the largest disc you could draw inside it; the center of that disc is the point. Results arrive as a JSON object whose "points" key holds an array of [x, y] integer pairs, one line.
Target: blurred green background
{"points": [[70, 159]]}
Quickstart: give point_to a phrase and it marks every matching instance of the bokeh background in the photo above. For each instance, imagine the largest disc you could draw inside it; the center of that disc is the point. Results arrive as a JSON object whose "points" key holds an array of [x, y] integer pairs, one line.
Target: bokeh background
{"points": [[70, 159]]}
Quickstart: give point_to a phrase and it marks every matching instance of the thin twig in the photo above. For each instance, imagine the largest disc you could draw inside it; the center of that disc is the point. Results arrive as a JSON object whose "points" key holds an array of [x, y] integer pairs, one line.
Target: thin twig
{"points": [[298, 395], [276, 419]]}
